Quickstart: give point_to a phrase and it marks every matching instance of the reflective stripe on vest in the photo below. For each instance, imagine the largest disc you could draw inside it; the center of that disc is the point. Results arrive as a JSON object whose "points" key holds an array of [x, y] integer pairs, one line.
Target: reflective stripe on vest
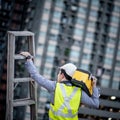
{"points": [[65, 109]]}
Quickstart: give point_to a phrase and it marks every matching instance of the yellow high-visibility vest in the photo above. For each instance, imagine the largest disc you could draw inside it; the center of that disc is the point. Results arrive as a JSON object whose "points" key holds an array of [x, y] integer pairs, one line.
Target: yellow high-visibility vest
{"points": [[66, 103]]}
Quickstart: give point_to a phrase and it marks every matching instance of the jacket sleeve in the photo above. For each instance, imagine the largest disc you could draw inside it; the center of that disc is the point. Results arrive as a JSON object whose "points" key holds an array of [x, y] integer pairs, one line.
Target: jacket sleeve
{"points": [[92, 101], [42, 81]]}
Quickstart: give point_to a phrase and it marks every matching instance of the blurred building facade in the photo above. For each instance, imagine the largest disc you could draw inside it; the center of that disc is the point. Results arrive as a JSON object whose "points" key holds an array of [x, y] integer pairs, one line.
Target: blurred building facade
{"points": [[84, 32]]}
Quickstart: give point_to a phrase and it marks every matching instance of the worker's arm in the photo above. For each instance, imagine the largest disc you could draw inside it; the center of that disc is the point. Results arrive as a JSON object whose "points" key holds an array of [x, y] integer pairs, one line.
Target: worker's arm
{"points": [[92, 101], [49, 85], [42, 81]]}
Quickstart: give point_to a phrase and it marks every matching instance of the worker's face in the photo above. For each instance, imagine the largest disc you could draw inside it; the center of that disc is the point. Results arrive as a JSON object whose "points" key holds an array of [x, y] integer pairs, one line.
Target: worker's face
{"points": [[60, 76]]}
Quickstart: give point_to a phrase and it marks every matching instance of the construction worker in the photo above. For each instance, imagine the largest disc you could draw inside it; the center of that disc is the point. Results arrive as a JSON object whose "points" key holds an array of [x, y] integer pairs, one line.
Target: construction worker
{"points": [[65, 98]]}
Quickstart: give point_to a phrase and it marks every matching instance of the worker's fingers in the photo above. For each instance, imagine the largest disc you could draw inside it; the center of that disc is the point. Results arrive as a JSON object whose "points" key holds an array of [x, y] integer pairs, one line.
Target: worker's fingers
{"points": [[94, 80]]}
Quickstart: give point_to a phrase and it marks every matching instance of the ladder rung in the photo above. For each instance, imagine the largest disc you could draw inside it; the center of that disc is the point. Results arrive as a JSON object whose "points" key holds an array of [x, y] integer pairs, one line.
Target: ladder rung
{"points": [[21, 33], [17, 57], [23, 102], [22, 80]]}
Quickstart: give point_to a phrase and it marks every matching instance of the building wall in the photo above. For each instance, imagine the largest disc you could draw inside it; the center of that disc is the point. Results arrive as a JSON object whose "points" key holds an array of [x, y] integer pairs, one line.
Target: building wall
{"points": [[84, 32]]}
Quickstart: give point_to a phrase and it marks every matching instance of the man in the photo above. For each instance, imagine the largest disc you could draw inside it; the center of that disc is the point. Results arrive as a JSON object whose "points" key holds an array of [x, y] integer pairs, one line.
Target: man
{"points": [[65, 98]]}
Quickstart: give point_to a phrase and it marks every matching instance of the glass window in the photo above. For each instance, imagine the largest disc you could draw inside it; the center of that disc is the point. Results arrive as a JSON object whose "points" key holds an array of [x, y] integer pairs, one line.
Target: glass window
{"points": [[43, 34], [95, 2], [58, 50], [39, 47], [53, 37], [84, 67], [45, 22], [82, 10], [115, 84], [107, 71], [77, 43], [113, 29], [46, 10], [91, 24], [59, 3], [104, 83], [118, 53], [109, 50], [117, 74], [88, 45], [115, 19], [74, 53], [78, 32], [47, 71], [43, 93], [93, 13], [51, 48], [57, 14], [64, 19], [118, 63], [116, 8], [85, 1], [71, 20], [86, 56], [49, 59], [90, 35], [55, 25], [108, 61], [80, 21], [111, 40]]}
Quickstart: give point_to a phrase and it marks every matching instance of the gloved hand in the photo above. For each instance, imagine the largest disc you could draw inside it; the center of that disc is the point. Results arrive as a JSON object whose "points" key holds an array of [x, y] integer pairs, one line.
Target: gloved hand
{"points": [[27, 55]]}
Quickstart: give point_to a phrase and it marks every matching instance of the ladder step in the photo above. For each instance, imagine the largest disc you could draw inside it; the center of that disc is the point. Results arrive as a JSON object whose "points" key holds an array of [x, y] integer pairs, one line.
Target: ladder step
{"points": [[23, 102], [22, 80], [18, 57], [21, 33]]}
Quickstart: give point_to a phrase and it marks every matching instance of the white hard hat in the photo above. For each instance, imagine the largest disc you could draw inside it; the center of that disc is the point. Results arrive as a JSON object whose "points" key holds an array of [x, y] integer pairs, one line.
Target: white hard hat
{"points": [[69, 68]]}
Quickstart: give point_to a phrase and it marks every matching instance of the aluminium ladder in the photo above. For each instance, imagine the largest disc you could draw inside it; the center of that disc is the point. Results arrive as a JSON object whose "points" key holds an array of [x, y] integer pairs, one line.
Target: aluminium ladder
{"points": [[31, 101]]}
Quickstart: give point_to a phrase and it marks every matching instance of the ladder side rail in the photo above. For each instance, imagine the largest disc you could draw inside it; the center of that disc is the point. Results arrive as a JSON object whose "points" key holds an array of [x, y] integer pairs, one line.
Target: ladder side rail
{"points": [[32, 84], [33, 96], [10, 76], [31, 45], [31, 50]]}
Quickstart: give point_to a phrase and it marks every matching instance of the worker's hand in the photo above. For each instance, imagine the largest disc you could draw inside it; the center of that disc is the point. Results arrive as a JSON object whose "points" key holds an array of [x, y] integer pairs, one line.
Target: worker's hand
{"points": [[94, 81], [26, 54]]}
